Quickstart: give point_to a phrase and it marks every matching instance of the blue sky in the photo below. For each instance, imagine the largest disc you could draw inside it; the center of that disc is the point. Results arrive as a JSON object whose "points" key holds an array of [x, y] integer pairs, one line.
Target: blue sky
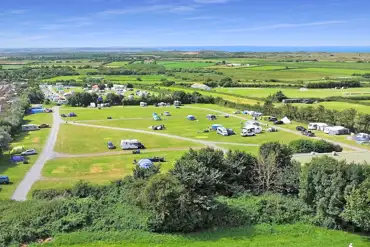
{"points": [[152, 23]]}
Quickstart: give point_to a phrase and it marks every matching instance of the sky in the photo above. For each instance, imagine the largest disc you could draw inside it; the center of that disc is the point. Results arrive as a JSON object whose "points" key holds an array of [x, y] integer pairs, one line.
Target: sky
{"points": [[163, 23]]}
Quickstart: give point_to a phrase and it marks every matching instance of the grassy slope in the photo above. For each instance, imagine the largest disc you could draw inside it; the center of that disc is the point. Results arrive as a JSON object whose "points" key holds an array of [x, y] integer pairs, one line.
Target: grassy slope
{"points": [[32, 139], [297, 235]]}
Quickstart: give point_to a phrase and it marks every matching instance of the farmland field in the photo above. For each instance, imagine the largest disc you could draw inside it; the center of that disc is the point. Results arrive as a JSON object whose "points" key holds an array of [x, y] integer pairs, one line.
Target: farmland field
{"points": [[31, 139], [184, 64], [295, 92]]}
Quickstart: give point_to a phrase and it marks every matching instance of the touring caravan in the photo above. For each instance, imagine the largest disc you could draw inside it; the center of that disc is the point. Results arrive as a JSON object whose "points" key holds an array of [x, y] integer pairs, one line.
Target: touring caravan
{"points": [[256, 129], [30, 127], [131, 144]]}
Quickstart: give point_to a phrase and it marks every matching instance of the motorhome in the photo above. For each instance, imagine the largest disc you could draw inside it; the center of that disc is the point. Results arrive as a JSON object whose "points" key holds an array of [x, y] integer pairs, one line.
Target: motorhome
{"points": [[248, 131], [257, 129], [131, 144]]}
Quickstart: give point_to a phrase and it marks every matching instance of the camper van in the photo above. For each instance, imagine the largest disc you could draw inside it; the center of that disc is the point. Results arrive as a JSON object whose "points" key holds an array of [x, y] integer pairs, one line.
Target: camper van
{"points": [[143, 104], [248, 131], [317, 126], [256, 129], [131, 144], [30, 127], [222, 131]]}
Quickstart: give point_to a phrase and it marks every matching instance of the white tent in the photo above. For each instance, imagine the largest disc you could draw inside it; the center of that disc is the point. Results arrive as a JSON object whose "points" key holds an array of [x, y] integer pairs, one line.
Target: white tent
{"points": [[286, 120]]}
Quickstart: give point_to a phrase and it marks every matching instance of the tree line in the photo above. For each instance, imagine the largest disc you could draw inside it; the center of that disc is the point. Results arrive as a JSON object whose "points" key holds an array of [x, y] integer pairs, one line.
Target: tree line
{"points": [[205, 189], [12, 119]]}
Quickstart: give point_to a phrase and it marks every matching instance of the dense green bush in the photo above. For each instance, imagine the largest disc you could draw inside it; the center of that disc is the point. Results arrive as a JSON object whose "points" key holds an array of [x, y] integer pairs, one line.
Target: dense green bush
{"points": [[325, 185], [308, 146]]}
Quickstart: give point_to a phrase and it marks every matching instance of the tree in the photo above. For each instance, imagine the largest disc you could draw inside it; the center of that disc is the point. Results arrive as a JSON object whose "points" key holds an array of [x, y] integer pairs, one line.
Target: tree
{"points": [[357, 206], [130, 85], [362, 123], [281, 152], [326, 183], [145, 173], [5, 139]]}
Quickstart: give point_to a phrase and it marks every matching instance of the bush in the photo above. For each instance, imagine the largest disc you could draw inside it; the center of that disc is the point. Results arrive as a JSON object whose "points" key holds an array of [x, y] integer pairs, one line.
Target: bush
{"points": [[308, 146]]}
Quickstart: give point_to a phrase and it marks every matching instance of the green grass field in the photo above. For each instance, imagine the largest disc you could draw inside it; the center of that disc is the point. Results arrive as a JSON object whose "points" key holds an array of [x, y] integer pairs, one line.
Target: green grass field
{"points": [[32, 139], [144, 79], [65, 172], [297, 235], [184, 64], [294, 92], [85, 140]]}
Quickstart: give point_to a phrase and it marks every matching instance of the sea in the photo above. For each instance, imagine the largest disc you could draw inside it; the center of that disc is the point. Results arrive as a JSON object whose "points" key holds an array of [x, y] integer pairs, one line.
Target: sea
{"points": [[355, 49]]}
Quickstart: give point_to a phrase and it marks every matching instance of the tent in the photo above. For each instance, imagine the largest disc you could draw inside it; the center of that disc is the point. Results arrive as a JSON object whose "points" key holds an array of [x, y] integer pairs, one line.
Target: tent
{"points": [[337, 130], [190, 117], [156, 117], [35, 111], [17, 158], [215, 126], [211, 117], [145, 163], [286, 120], [362, 137]]}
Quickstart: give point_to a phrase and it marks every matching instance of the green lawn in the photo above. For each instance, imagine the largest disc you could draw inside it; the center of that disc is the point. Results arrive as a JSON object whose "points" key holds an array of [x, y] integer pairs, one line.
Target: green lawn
{"points": [[293, 92], [32, 139], [116, 64], [83, 140], [297, 235], [65, 172]]}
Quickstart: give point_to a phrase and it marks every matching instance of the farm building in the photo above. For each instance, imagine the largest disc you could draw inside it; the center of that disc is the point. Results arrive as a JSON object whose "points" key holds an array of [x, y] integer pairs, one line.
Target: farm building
{"points": [[145, 163], [211, 117], [30, 127], [143, 104], [190, 117], [200, 86], [337, 130]]}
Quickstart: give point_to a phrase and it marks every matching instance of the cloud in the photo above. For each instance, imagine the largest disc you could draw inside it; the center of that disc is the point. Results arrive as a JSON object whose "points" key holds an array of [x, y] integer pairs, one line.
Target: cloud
{"points": [[287, 25], [18, 11], [211, 1], [153, 8], [200, 18]]}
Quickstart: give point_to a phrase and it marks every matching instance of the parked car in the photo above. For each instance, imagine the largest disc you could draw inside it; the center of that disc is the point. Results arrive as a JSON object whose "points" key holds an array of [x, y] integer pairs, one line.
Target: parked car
{"points": [[4, 180], [300, 128], [308, 133], [63, 115], [272, 119], [272, 129], [29, 152], [278, 122], [110, 145], [222, 131], [157, 159], [44, 126]]}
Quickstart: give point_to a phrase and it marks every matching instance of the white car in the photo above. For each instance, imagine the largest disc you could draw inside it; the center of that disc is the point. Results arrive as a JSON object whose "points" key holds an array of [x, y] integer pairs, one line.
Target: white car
{"points": [[29, 152], [248, 132], [222, 131]]}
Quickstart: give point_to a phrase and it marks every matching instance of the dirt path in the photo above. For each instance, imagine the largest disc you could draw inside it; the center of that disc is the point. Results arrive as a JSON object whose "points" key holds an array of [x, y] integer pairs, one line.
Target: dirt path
{"points": [[291, 131], [47, 153]]}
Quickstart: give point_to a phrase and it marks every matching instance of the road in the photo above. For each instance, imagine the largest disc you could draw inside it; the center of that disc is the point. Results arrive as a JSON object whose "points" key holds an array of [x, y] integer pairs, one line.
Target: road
{"points": [[291, 131], [47, 153]]}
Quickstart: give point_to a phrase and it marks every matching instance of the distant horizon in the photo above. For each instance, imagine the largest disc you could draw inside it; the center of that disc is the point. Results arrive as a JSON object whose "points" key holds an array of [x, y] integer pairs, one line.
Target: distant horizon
{"points": [[200, 48]]}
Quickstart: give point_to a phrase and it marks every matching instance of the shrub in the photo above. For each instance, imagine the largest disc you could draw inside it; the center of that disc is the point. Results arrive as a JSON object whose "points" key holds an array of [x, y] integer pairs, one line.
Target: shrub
{"points": [[307, 146]]}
